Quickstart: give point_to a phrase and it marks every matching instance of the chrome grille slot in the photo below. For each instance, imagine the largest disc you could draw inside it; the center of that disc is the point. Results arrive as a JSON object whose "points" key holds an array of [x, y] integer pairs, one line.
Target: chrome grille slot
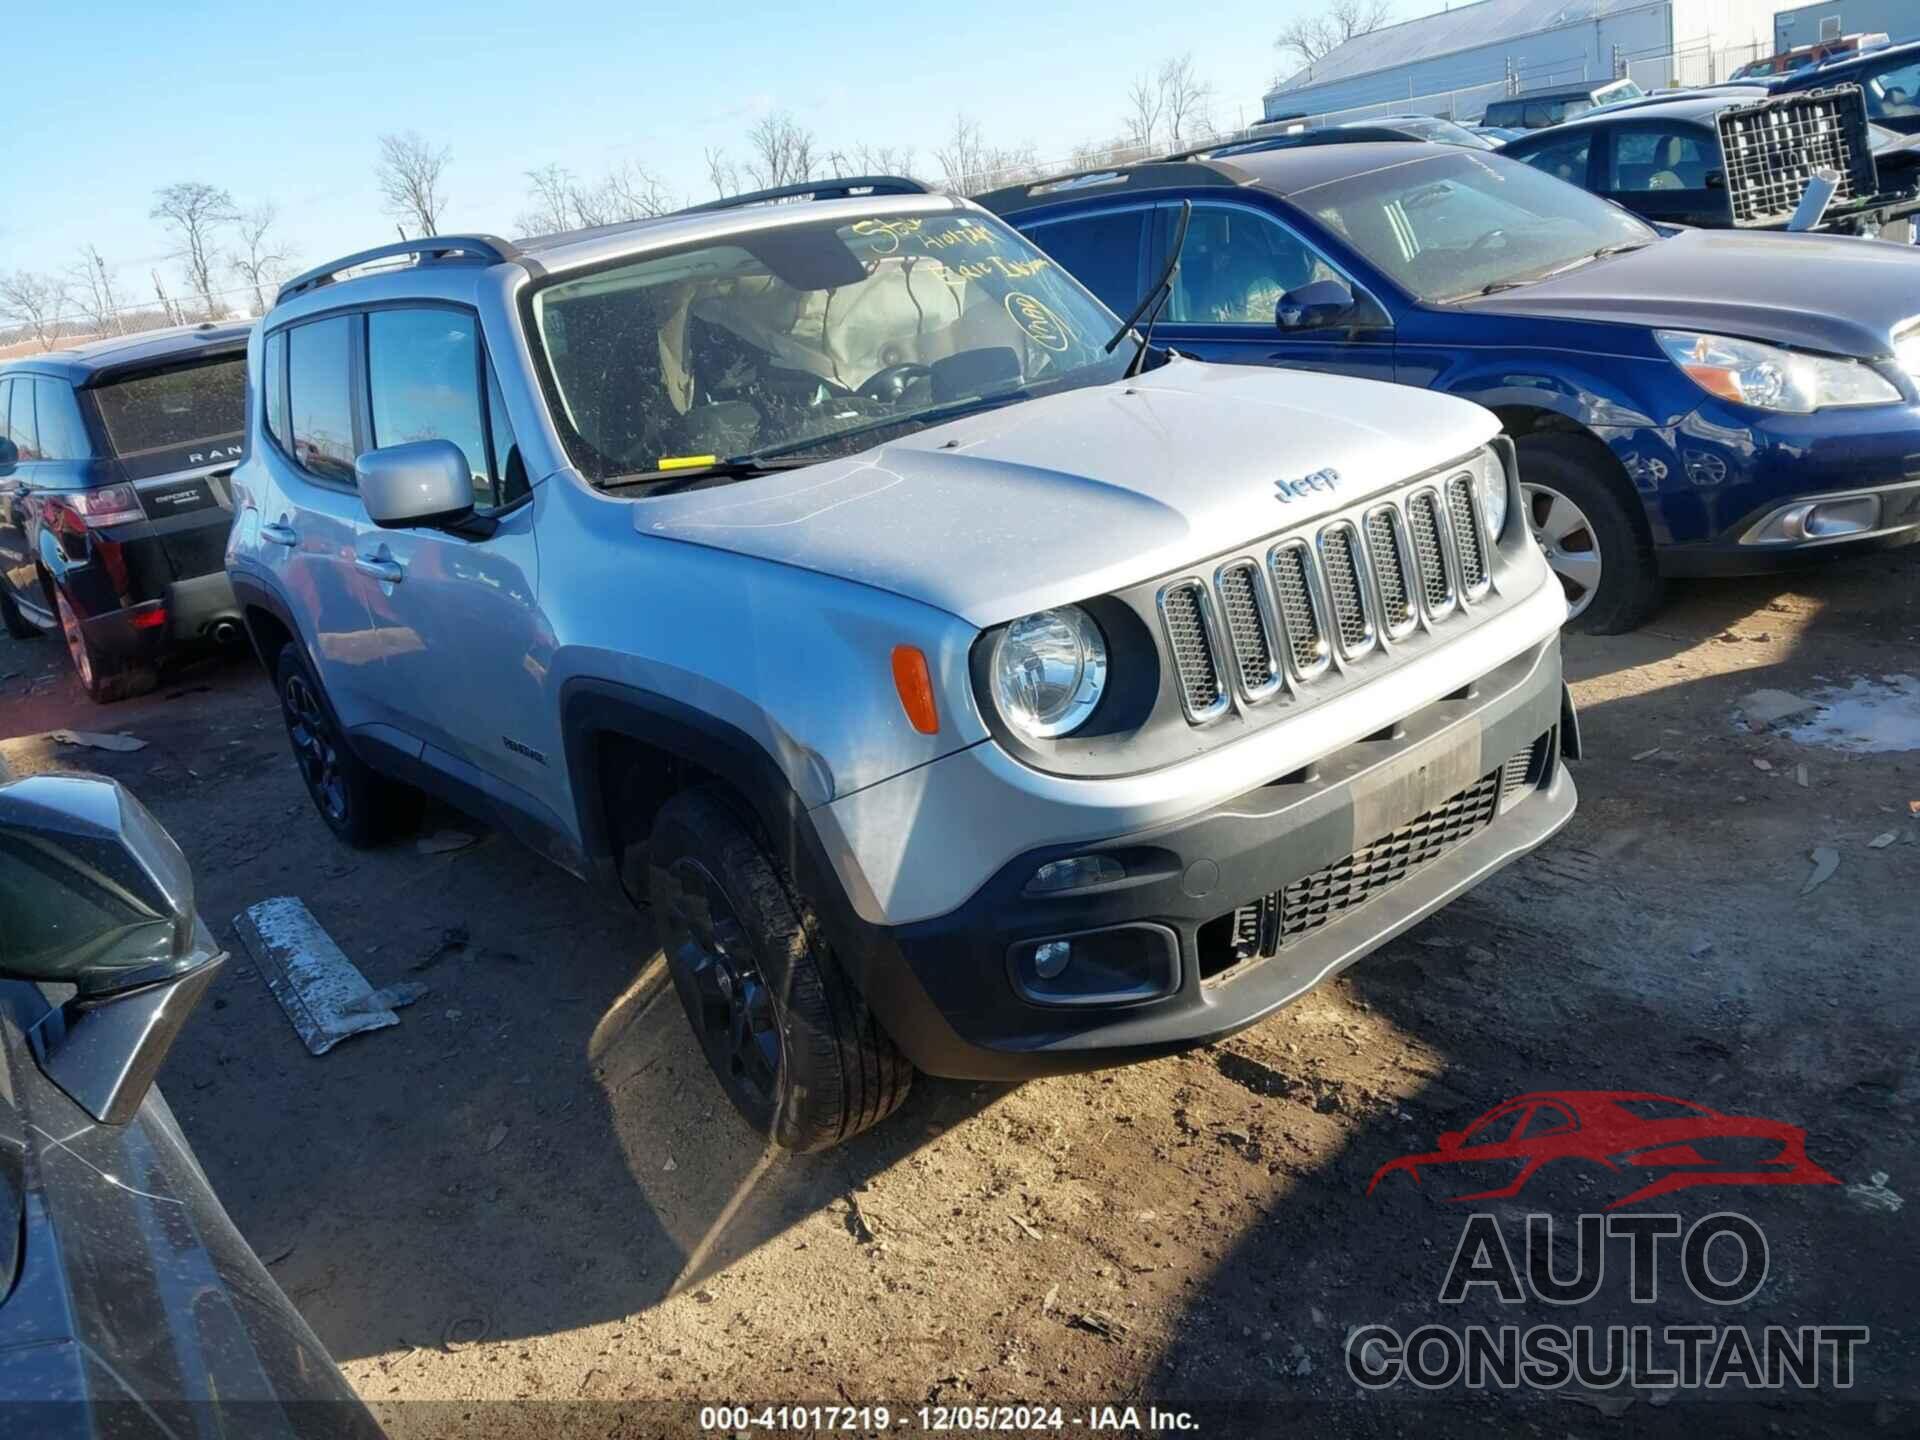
{"points": [[1302, 614], [1466, 535], [1186, 614], [1424, 524], [1247, 619], [1346, 590], [1391, 571]]}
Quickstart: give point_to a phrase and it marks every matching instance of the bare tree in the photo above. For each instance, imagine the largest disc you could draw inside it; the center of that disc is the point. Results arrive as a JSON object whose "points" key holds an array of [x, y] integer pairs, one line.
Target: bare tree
{"points": [[782, 152], [93, 292], [1184, 99], [722, 174], [969, 165], [260, 261], [35, 301], [561, 202], [1144, 106], [409, 172], [1313, 36], [194, 211]]}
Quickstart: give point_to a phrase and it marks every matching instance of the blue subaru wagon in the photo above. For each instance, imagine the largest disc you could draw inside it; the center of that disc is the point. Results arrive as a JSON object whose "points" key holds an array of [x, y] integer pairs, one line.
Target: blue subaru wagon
{"points": [[1685, 402]]}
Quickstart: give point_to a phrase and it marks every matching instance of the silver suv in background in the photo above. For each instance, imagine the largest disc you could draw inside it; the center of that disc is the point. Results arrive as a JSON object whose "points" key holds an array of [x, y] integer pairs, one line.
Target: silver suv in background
{"points": [[966, 684]]}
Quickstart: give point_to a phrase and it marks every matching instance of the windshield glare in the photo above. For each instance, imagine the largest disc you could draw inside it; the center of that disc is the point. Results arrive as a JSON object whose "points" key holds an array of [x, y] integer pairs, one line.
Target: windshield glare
{"points": [[1452, 225], [803, 337]]}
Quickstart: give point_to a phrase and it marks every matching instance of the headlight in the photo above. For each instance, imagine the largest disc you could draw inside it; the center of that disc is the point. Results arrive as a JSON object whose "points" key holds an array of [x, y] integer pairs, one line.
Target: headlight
{"points": [[1048, 671], [1769, 378], [1490, 490]]}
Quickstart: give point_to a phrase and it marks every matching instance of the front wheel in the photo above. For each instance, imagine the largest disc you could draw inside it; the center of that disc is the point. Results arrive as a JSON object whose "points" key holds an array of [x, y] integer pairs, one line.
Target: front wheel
{"points": [[103, 678], [1571, 499], [788, 1036], [360, 806]]}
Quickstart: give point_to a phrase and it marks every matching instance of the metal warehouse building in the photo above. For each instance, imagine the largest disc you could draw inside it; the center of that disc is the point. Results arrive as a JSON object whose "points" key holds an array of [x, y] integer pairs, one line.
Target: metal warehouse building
{"points": [[1829, 19], [1453, 63]]}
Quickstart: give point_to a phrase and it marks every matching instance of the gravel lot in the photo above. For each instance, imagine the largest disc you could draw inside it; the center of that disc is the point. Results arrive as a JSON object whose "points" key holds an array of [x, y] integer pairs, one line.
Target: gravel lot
{"points": [[531, 1189]]}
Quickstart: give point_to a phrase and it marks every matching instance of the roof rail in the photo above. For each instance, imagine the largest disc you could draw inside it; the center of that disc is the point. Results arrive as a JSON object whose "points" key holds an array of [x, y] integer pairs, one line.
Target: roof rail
{"points": [[1142, 175], [431, 247], [818, 190]]}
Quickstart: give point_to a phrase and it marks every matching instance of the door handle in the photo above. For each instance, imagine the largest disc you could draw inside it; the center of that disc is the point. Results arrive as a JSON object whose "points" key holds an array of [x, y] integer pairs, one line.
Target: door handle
{"points": [[390, 572], [279, 535]]}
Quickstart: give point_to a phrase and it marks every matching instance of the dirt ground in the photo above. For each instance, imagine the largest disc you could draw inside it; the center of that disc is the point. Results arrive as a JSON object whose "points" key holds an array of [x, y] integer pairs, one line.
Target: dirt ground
{"points": [[532, 1190]]}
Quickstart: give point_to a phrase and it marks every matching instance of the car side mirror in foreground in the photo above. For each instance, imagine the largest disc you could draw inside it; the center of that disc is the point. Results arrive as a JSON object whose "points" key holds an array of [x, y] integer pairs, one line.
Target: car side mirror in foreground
{"points": [[1450, 1140], [1315, 306], [94, 894], [423, 482], [9, 453]]}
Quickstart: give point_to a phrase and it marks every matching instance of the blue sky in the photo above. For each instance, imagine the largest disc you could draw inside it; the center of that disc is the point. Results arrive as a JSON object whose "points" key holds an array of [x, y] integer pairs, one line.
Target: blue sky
{"points": [[285, 103]]}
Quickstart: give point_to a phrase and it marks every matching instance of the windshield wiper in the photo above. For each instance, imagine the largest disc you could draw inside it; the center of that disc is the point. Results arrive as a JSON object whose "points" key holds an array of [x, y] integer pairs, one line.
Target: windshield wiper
{"points": [[1156, 296], [678, 477], [919, 418]]}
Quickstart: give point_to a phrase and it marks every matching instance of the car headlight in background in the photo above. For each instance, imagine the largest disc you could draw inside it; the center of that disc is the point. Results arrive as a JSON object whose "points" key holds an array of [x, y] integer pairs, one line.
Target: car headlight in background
{"points": [[1490, 491], [1769, 378], [1048, 671]]}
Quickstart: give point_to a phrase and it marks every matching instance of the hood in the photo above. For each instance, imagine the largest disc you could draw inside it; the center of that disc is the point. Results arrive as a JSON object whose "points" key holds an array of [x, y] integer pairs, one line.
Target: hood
{"points": [[1831, 293], [1069, 496]]}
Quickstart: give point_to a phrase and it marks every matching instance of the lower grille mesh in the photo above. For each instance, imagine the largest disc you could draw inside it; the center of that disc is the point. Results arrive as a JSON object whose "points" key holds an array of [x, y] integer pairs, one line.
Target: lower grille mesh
{"points": [[1263, 927]]}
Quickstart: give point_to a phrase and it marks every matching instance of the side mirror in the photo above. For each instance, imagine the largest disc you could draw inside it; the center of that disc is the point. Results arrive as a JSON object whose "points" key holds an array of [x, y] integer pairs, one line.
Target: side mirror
{"points": [[1315, 306], [95, 894], [1450, 1141], [424, 482], [9, 453]]}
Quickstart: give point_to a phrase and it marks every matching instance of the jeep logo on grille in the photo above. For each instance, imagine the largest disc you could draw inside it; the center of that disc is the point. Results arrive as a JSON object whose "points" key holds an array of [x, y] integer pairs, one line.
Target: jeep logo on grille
{"points": [[1287, 491]]}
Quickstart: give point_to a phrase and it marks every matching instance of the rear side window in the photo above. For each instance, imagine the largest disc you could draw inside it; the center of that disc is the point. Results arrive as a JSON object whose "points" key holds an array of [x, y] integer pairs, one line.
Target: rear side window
{"points": [[1564, 159], [6, 388], [1893, 93], [1102, 252], [320, 396], [1646, 160], [63, 434], [273, 380], [424, 370], [21, 428], [190, 408]]}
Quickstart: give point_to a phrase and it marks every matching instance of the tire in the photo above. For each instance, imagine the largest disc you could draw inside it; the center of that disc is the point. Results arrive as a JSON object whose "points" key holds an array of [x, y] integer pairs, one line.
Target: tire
{"points": [[788, 1036], [104, 678], [1592, 520], [360, 806], [17, 625]]}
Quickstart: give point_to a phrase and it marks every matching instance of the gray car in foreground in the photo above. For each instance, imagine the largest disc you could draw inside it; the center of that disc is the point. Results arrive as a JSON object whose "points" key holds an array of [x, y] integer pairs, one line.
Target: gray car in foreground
{"points": [[963, 683], [129, 1303]]}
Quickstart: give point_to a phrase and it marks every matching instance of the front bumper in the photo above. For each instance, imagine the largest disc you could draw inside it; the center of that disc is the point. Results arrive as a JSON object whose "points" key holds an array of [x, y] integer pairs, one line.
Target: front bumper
{"points": [[1891, 520], [1331, 862]]}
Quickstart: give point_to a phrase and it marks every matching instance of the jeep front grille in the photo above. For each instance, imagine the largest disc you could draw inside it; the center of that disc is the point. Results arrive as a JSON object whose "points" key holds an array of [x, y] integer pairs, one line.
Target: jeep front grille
{"points": [[1466, 535], [1183, 613], [1263, 927], [1255, 630]]}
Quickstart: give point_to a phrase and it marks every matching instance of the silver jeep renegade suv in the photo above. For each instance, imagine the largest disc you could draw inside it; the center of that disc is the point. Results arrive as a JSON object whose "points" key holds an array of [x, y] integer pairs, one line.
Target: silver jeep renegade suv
{"points": [[963, 692]]}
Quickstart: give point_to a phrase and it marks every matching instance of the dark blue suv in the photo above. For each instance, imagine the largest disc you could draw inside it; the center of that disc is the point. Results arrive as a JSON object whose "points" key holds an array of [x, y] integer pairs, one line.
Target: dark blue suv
{"points": [[1684, 401]]}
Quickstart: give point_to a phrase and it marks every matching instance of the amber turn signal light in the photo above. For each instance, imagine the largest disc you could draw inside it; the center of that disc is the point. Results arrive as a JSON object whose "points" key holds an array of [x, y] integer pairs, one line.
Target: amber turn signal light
{"points": [[910, 678]]}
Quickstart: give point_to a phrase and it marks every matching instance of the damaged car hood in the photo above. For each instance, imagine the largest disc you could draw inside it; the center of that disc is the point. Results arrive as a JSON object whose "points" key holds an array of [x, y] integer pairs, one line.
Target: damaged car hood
{"points": [[1070, 496], [1832, 293]]}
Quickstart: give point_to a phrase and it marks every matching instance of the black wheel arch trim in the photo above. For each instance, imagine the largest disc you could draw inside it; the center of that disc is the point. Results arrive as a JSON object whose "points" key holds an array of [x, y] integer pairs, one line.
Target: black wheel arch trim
{"points": [[868, 953]]}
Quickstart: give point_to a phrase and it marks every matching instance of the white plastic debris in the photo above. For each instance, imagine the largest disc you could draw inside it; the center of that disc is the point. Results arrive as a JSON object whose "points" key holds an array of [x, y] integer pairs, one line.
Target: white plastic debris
{"points": [[325, 997], [93, 740], [442, 842], [1881, 841], [1876, 1196], [1764, 708]]}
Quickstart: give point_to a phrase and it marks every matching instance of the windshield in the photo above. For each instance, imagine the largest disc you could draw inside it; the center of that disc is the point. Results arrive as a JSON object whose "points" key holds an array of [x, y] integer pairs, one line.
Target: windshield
{"points": [[196, 405], [810, 338], [1460, 222]]}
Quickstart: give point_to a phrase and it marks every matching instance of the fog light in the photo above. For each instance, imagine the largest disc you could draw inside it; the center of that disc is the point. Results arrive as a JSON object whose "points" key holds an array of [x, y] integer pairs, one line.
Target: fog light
{"points": [[1074, 873], [1051, 958], [1843, 517]]}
